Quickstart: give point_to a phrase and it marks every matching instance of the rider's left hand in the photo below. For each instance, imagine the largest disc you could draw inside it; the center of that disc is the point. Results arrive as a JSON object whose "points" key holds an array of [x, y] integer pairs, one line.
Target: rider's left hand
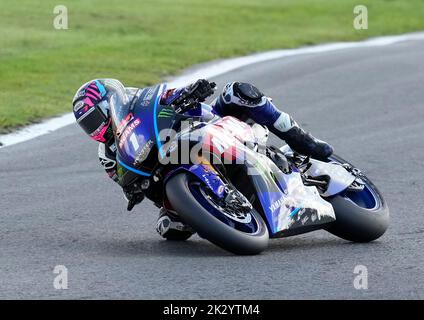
{"points": [[199, 91]]}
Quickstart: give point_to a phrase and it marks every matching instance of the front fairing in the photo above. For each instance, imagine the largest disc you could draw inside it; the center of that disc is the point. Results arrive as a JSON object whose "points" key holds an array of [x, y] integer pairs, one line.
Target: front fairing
{"points": [[137, 130]]}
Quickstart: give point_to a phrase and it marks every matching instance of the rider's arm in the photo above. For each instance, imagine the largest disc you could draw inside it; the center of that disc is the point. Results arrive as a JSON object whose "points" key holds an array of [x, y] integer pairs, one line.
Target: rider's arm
{"points": [[107, 159]]}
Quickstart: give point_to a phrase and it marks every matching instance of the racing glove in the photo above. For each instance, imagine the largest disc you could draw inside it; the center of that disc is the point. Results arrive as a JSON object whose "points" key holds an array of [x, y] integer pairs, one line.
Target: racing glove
{"points": [[198, 91], [134, 196]]}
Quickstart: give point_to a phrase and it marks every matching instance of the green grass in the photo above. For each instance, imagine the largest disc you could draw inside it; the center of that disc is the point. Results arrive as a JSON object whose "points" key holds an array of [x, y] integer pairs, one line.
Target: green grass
{"points": [[141, 42]]}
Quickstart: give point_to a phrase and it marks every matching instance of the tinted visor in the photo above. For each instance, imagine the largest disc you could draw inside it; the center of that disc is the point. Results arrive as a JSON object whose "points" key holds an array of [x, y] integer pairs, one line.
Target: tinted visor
{"points": [[92, 120]]}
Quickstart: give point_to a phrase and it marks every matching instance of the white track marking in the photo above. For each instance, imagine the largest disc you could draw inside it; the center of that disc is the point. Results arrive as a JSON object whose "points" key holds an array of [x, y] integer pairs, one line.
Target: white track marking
{"points": [[36, 130], [210, 71]]}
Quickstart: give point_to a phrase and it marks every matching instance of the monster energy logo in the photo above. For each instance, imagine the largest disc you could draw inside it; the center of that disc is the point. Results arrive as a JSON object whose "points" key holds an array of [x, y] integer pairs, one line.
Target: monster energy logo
{"points": [[165, 113], [120, 171]]}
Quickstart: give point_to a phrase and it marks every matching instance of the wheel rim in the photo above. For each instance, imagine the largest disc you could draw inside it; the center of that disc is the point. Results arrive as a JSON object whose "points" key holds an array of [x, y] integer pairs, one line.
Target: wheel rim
{"points": [[369, 198], [244, 222], [236, 215]]}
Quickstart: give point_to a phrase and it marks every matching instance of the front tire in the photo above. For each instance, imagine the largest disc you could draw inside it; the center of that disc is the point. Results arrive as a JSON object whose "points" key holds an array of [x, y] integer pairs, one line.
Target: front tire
{"points": [[199, 217], [360, 216]]}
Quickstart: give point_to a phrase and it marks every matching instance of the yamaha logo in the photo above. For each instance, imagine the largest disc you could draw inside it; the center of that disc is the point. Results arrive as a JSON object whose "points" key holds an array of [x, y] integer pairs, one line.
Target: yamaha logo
{"points": [[277, 204]]}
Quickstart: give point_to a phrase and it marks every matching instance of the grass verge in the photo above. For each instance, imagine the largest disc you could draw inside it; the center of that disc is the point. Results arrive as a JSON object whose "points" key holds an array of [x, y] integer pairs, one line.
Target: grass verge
{"points": [[140, 42]]}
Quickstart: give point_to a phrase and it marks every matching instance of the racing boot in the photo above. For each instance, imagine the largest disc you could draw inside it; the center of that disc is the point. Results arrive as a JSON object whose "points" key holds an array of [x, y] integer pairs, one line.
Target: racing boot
{"points": [[298, 139], [170, 227], [303, 142]]}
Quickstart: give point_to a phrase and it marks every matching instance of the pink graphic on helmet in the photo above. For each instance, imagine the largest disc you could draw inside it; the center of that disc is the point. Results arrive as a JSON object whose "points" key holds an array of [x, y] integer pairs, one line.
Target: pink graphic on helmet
{"points": [[93, 98], [93, 92], [88, 102]]}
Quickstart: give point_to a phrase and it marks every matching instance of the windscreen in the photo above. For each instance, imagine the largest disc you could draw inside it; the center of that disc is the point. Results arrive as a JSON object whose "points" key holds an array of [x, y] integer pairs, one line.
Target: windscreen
{"points": [[118, 100]]}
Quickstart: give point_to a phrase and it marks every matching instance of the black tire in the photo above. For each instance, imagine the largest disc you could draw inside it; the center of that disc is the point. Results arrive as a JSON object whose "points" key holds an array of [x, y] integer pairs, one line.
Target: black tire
{"points": [[208, 226], [354, 222]]}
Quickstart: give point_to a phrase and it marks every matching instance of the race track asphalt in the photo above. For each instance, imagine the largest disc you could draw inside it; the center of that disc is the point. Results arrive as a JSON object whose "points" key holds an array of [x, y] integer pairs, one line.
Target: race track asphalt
{"points": [[58, 207]]}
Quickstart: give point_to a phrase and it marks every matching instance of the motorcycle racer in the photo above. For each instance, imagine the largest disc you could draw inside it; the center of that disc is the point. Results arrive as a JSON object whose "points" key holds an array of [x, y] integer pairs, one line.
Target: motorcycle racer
{"points": [[91, 107]]}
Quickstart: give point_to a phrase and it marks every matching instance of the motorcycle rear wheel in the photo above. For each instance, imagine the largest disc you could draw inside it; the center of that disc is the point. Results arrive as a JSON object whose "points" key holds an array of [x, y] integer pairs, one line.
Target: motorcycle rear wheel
{"points": [[360, 216]]}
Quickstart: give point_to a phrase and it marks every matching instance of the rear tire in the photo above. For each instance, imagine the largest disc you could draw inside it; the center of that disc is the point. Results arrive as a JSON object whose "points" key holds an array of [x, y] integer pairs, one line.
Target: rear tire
{"points": [[355, 222], [210, 227]]}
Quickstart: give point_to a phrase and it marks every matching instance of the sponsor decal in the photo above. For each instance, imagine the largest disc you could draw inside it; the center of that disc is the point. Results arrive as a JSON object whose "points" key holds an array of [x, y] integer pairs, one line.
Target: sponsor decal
{"points": [[128, 130], [305, 219], [142, 155], [276, 204], [165, 113], [80, 94], [205, 176], [113, 147], [120, 171], [148, 97], [98, 130], [124, 123], [79, 105]]}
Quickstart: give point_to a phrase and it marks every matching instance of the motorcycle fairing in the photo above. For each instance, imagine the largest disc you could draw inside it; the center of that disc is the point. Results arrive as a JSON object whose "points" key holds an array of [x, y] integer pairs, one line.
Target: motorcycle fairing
{"points": [[340, 178], [288, 204], [206, 173], [137, 127]]}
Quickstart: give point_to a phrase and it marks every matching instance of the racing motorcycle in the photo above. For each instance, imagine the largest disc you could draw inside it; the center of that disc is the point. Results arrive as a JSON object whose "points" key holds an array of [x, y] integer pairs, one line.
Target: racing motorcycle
{"points": [[235, 190]]}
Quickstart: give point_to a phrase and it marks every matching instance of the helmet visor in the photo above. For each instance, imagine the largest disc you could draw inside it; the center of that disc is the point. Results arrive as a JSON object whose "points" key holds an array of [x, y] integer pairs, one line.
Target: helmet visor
{"points": [[92, 120]]}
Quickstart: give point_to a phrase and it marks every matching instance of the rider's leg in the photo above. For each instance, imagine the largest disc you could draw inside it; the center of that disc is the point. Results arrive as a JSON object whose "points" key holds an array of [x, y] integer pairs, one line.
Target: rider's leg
{"points": [[245, 101], [170, 227]]}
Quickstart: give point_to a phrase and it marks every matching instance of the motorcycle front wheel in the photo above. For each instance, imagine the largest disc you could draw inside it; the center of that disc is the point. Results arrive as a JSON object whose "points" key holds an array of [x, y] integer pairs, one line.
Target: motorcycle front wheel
{"points": [[236, 232]]}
